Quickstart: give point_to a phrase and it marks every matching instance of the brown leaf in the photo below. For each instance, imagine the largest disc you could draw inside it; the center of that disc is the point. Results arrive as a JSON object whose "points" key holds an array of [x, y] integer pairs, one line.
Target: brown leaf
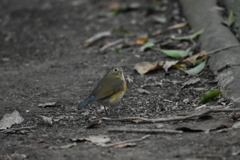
{"points": [[141, 41], [169, 64], [145, 67], [193, 58]]}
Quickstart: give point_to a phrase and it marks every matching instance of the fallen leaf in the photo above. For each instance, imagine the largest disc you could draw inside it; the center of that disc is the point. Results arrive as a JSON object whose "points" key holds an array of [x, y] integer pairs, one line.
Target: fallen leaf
{"points": [[47, 120], [193, 58], [169, 64], [196, 69], [9, 119], [70, 145], [210, 95], [48, 104], [147, 45], [192, 36], [176, 53], [191, 81], [145, 67], [141, 41]]}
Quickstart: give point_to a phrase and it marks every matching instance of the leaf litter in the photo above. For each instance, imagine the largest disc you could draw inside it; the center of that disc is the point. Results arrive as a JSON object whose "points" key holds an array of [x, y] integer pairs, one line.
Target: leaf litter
{"points": [[10, 119]]}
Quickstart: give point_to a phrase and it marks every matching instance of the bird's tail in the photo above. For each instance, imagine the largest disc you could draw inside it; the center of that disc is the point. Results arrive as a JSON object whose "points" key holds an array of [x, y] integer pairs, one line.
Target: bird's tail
{"points": [[86, 102]]}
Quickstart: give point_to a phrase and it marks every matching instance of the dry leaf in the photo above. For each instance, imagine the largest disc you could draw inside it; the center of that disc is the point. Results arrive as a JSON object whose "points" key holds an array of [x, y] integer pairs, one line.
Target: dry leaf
{"points": [[9, 119], [48, 104], [145, 67], [193, 58], [169, 64], [47, 119], [191, 81], [141, 41]]}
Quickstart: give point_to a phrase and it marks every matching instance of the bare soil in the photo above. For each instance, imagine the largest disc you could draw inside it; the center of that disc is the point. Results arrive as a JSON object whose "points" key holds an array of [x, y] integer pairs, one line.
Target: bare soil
{"points": [[47, 62]]}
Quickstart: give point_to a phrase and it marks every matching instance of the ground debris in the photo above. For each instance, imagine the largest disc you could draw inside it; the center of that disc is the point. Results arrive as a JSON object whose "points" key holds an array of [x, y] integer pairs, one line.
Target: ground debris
{"points": [[9, 119]]}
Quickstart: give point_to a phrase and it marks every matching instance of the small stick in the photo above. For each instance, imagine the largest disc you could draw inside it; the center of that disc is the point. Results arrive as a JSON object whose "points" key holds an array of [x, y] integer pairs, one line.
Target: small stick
{"points": [[177, 118], [143, 130], [97, 37], [221, 49], [10, 130], [127, 141], [110, 45]]}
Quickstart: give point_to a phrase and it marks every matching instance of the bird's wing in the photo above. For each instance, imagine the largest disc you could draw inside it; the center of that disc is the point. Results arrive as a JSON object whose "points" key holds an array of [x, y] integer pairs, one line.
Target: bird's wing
{"points": [[107, 88]]}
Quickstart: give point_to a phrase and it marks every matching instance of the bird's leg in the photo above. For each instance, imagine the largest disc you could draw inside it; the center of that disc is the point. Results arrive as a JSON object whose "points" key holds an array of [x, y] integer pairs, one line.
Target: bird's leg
{"points": [[106, 111]]}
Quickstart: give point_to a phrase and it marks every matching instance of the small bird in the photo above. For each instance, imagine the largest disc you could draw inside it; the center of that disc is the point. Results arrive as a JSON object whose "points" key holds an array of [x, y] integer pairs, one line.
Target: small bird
{"points": [[109, 90]]}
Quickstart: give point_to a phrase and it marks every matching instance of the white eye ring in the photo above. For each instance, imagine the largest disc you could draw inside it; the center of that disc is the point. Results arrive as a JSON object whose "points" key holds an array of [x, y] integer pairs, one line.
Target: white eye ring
{"points": [[115, 70]]}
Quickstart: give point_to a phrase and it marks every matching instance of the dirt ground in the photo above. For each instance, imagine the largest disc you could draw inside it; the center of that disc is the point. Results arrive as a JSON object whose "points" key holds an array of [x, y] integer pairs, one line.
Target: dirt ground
{"points": [[43, 60]]}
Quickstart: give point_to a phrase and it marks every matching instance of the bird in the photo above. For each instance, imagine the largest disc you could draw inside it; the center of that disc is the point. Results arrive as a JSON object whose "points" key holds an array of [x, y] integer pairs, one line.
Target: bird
{"points": [[109, 91]]}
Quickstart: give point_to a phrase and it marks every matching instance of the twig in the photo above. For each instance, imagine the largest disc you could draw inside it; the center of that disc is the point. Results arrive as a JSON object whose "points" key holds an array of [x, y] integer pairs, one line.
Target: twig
{"points": [[110, 45], [221, 49], [97, 37], [127, 141], [177, 118], [143, 130], [11, 130]]}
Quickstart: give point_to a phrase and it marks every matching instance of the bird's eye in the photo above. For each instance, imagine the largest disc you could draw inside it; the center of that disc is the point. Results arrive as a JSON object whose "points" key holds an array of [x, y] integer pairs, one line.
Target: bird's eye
{"points": [[115, 70]]}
